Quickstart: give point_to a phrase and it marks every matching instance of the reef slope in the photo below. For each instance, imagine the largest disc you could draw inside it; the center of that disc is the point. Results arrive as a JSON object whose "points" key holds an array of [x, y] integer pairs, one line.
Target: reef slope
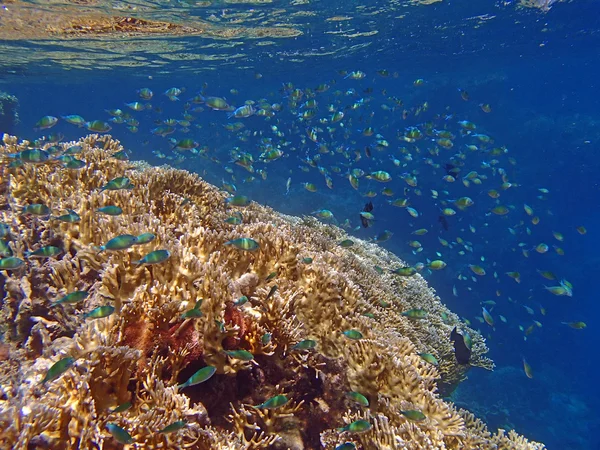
{"points": [[302, 292]]}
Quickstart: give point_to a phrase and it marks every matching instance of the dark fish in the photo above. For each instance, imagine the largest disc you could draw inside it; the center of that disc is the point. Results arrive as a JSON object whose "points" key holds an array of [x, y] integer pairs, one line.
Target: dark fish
{"points": [[368, 208], [452, 169], [444, 222], [461, 350], [449, 168]]}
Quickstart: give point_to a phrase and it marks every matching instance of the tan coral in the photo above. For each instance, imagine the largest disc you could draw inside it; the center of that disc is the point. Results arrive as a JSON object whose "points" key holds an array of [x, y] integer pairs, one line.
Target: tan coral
{"points": [[147, 346]]}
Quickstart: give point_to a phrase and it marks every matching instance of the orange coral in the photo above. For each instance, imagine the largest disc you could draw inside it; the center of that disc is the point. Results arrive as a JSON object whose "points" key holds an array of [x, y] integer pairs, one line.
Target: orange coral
{"points": [[235, 318]]}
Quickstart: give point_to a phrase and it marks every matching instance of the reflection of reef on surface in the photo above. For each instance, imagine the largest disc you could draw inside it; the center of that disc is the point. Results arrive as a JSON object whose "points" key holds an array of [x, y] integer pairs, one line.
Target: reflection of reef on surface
{"points": [[543, 5], [26, 21], [175, 317], [9, 116]]}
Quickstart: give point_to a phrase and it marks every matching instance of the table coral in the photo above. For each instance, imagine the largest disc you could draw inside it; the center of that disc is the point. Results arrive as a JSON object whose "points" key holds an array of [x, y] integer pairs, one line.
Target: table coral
{"points": [[174, 318]]}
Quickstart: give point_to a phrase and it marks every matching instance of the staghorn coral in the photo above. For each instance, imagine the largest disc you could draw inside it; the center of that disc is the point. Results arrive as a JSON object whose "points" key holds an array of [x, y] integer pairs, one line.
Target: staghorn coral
{"points": [[151, 343]]}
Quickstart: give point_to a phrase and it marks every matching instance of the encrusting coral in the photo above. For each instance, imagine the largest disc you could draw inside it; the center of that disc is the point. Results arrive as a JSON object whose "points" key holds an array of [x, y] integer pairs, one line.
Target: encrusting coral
{"points": [[290, 328]]}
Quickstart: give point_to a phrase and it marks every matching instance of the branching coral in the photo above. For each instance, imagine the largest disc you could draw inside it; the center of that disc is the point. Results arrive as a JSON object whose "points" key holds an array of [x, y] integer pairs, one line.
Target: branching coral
{"points": [[267, 321]]}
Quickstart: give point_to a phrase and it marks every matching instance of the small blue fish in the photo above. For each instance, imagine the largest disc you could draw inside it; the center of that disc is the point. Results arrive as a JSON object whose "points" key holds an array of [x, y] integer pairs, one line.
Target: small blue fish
{"points": [[306, 344], [70, 217], [201, 376], [58, 368], [122, 407], [247, 244], [120, 435], [121, 242], [72, 298], [145, 238], [11, 263], [37, 209], [117, 184], [110, 210], [274, 402], [100, 312], [175, 426], [155, 257], [44, 252]]}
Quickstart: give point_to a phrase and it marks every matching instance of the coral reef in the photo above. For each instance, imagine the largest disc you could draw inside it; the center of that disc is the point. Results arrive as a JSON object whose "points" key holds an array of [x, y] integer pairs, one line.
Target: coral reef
{"points": [[9, 116], [270, 321]]}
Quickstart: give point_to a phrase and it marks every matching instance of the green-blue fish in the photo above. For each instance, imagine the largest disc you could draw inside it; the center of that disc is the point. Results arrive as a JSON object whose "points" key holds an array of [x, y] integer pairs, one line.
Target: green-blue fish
{"points": [[11, 263], [4, 230], [415, 313], [75, 164], [346, 446], [70, 217], [175, 426], [155, 257], [44, 252], [117, 183], [34, 156], [238, 200], [247, 244], [121, 155], [122, 242], [306, 344], [357, 426], [265, 339], [73, 297], [271, 292], [74, 119], [98, 126], [233, 220], [58, 368], [110, 210], [194, 312], [346, 243], [241, 301], [428, 357], [358, 398], [242, 355], [120, 435], [122, 407], [5, 249], [405, 271], [413, 415], [74, 150], [46, 122], [100, 312], [37, 209], [274, 402], [201, 376], [145, 238], [353, 334]]}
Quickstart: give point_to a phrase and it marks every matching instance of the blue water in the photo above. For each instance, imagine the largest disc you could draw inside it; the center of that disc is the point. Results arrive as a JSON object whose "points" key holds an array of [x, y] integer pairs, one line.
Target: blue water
{"points": [[539, 74]]}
